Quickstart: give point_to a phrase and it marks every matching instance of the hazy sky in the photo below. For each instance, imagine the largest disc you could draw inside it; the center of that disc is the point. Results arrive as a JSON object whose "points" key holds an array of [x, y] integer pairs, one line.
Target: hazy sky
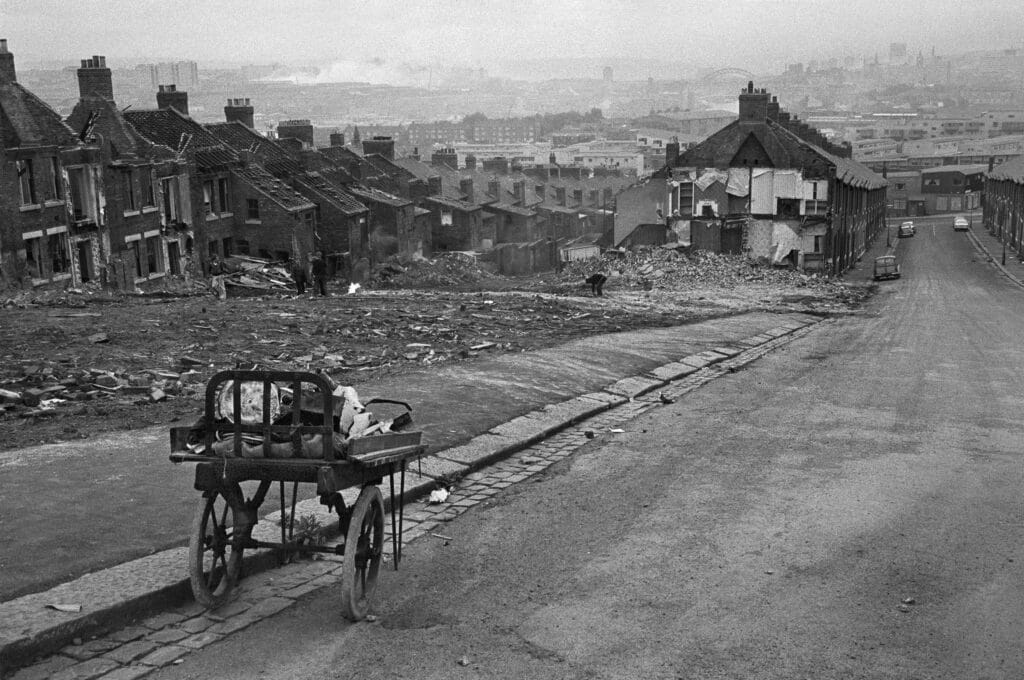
{"points": [[745, 33]]}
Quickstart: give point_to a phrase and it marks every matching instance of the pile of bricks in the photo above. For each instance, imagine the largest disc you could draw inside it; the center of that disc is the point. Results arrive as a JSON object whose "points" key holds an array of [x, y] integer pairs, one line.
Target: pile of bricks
{"points": [[44, 389]]}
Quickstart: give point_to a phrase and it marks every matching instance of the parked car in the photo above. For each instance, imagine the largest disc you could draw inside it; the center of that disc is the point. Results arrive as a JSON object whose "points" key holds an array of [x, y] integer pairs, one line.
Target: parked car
{"points": [[960, 224], [909, 225], [906, 230], [886, 267]]}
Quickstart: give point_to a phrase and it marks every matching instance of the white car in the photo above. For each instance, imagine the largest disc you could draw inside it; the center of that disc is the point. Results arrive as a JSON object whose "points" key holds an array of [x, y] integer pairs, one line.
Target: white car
{"points": [[960, 224], [909, 226]]}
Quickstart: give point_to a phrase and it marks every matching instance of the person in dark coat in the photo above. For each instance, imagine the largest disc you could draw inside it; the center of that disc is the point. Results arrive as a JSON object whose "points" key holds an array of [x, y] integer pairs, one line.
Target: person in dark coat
{"points": [[299, 274], [596, 281], [319, 274]]}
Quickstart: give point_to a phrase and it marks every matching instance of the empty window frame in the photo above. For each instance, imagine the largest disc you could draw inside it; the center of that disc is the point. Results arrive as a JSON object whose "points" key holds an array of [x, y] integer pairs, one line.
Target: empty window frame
{"points": [[26, 182], [223, 198], [131, 201], [154, 255], [60, 253]]}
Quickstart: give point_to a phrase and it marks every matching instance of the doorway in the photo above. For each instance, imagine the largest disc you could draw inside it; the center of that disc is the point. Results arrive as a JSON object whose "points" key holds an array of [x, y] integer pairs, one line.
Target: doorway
{"points": [[85, 261], [174, 257]]}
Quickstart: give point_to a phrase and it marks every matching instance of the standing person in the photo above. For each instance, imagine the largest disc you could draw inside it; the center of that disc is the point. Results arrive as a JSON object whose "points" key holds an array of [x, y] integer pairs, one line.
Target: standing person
{"points": [[299, 274], [596, 282], [319, 274]]}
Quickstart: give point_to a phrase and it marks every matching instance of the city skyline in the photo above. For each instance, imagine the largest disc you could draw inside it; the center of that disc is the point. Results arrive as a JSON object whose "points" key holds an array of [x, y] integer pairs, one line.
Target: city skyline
{"points": [[401, 42]]}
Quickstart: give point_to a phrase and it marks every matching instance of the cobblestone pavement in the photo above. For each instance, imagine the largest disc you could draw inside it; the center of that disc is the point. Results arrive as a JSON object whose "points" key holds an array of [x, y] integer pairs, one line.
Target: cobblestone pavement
{"points": [[164, 639]]}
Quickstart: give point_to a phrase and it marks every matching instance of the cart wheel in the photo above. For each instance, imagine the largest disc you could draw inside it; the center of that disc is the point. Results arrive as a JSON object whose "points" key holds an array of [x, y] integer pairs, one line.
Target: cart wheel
{"points": [[364, 545], [214, 564]]}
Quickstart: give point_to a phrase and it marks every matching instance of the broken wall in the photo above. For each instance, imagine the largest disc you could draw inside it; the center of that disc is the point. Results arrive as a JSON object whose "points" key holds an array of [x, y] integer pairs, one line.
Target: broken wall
{"points": [[638, 205]]}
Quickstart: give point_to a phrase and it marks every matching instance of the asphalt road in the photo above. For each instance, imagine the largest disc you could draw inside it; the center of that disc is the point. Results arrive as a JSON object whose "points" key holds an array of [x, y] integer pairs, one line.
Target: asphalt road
{"points": [[846, 507], [71, 508]]}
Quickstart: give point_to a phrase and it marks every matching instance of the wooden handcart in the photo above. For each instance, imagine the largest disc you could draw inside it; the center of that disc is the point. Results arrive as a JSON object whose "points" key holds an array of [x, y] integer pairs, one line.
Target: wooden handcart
{"points": [[257, 427]]}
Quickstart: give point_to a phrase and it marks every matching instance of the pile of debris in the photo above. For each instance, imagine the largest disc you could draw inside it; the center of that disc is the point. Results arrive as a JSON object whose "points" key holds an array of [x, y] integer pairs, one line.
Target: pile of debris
{"points": [[46, 389], [89, 293], [243, 276], [446, 269], [669, 268]]}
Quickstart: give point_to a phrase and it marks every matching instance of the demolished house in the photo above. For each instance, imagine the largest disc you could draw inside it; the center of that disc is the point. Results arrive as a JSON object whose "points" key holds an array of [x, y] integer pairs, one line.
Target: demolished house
{"points": [[768, 186], [147, 229], [341, 218], [52, 199], [237, 206]]}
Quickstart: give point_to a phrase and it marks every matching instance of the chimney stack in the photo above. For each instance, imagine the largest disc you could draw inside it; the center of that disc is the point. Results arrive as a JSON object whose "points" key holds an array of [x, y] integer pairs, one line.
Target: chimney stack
{"points": [[7, 74], [434, 185], [337, 139], [170, 97], [300, 129], [773, 109], [672, 152], [470, 162], [466, 187], [446, 156], [94, 79], [383, 146], [753, 105], [519, 189], [239, 110]]}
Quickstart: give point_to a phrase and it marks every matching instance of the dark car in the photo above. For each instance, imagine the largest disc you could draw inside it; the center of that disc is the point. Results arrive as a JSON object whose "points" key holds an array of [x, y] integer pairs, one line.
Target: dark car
{"points": [[886, 267]]}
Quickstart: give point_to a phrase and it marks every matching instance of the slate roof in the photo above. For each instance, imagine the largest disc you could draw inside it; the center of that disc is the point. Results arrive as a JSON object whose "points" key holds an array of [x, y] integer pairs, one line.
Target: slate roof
{"points": [[177, 132], [25, 119], [509, 208], [273, 188], [107, 120], [453, 203], [241, 138], [368, 194], [785, 148], [341, 154], [342, 200], [1010, 171], [386, 166], [418, 169]]}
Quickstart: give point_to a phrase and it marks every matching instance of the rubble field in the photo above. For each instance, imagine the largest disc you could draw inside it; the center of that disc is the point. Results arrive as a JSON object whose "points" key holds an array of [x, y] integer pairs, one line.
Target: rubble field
{"points": [[79, 362]]}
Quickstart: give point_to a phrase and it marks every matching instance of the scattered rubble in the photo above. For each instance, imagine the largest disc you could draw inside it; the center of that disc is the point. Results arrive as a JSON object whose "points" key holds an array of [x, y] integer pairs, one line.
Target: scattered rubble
{"points": [[446, 269], [105, 361]]}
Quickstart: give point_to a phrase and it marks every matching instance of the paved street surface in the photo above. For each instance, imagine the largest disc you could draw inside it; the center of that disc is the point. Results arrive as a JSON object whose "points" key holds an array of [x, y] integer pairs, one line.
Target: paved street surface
{"points": [[75, 507], [847, 506]]}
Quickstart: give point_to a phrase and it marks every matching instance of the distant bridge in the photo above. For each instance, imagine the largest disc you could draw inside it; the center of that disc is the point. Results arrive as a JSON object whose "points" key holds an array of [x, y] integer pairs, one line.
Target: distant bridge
{"points": [[724, 75]]}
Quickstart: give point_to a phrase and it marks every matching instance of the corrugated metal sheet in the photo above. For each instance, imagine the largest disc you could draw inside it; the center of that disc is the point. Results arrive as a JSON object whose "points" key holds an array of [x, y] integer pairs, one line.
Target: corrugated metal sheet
{"points": [[763, 198]]}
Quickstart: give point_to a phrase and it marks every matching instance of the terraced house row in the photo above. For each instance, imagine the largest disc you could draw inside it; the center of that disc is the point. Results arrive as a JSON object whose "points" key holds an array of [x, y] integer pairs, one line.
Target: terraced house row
{"points": [[125, 198]]}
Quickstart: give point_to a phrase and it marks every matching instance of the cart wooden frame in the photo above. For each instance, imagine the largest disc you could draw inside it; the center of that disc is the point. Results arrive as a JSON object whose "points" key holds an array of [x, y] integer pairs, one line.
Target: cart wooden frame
{"points": [[224, 518]]}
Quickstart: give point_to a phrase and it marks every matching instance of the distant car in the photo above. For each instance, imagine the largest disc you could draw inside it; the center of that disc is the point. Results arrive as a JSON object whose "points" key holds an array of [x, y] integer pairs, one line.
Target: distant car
{"points": [[961, 224], [886, 267], [910, 225], [905, 230]]}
